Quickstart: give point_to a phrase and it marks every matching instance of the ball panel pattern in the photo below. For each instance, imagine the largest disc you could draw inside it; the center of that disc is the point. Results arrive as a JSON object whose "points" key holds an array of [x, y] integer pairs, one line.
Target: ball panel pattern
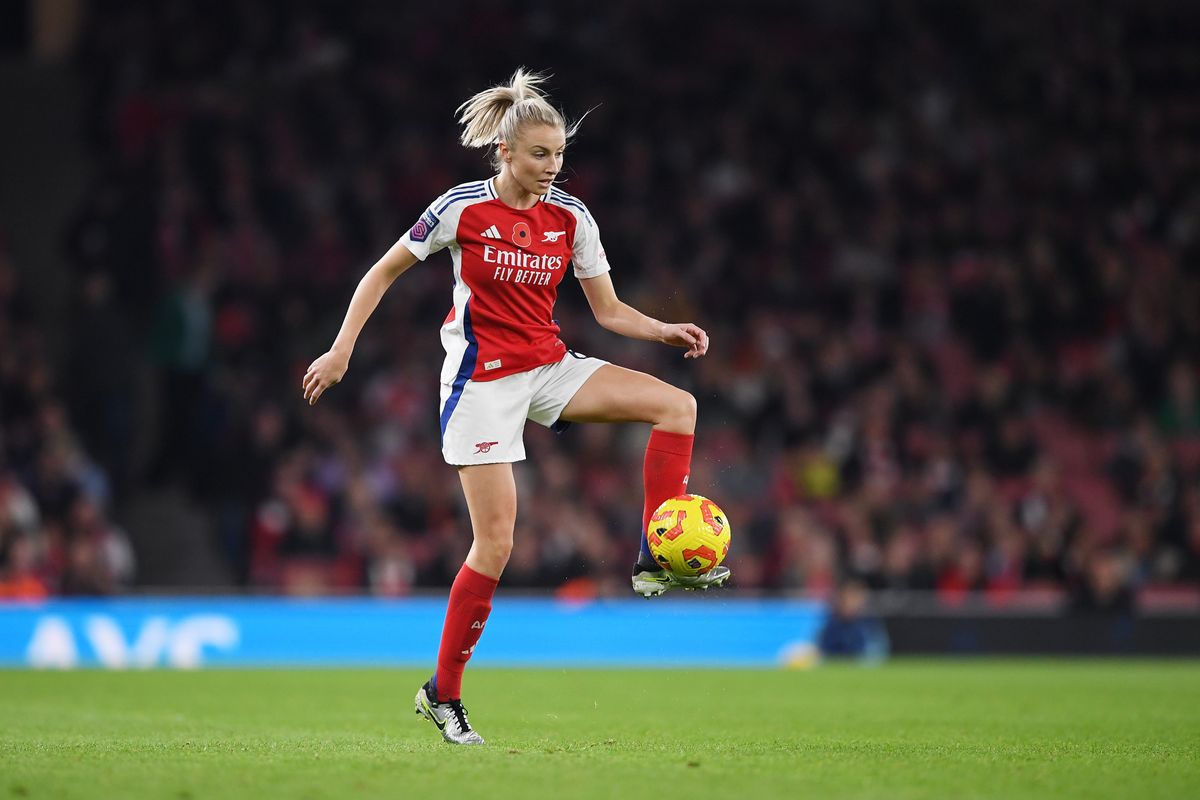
{"points": [[689, 535]]}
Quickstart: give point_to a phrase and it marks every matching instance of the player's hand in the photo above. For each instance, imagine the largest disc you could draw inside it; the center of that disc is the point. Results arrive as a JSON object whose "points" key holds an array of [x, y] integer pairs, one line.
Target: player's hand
{"points": [[326, 371], [685, 334]]}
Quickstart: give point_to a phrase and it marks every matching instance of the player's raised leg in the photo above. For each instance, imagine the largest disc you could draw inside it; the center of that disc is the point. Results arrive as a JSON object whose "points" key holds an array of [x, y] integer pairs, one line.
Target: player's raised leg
{"points": [[492, 502], [616, 394]]}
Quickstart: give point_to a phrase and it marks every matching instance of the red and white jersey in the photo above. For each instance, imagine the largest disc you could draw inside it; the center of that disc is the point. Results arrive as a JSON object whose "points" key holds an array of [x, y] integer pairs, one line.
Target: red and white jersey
{"points": [[508, 263]]}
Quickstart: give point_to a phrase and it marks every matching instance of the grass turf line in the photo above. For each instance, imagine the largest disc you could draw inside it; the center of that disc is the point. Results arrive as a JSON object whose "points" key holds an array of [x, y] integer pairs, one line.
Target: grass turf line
{"points": [[910, 729]]}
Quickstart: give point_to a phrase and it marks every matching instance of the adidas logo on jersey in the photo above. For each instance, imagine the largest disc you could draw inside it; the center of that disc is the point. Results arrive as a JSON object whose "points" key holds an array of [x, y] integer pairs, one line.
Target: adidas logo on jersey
{"points": [[490, 233]]}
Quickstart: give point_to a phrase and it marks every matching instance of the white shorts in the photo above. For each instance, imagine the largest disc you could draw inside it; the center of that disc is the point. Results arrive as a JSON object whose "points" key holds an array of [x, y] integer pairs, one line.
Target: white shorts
{"points": [[483, 422]]}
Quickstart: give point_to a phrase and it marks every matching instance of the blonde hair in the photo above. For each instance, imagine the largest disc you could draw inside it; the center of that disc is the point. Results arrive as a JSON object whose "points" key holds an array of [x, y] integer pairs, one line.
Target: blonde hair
{"points": [[498, 114]]}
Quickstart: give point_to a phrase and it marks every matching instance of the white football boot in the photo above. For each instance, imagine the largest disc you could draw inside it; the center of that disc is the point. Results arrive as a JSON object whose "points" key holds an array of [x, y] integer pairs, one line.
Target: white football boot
{"points": [[651, 583], [450, 717]]}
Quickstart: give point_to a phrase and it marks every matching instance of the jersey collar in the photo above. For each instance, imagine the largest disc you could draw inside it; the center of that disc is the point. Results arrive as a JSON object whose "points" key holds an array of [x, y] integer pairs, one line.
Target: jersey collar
{"points": [[491, 189]]}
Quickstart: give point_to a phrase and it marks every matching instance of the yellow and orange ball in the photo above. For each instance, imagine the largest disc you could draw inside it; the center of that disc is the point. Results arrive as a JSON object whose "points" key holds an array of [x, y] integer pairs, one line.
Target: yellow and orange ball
{"points": [[688, 535]]}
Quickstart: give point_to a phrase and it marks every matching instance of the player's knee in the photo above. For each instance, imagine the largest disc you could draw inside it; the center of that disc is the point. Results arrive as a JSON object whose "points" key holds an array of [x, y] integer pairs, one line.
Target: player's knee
{"points": [[679, 416], [687, 407], [502, 549], [497, 545]]}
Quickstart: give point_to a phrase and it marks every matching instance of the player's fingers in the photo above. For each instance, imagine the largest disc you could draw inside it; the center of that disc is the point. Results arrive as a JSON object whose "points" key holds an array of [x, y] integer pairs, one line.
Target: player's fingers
{"points": [[316, 395], [688, 337]]}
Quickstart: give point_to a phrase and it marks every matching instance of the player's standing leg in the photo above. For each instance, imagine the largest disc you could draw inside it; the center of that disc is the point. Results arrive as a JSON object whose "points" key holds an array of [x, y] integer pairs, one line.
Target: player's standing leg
{"points": [[616, 394], [492, 502]]}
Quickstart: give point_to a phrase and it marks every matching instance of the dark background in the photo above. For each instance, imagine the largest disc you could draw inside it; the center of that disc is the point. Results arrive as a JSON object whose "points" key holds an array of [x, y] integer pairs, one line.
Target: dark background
{"points": [[947, 254]]}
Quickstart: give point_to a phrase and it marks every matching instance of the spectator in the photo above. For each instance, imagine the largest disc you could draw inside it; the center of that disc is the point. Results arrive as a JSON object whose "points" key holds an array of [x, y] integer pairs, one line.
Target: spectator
{"points": [[1104, 588], [851, 631]]}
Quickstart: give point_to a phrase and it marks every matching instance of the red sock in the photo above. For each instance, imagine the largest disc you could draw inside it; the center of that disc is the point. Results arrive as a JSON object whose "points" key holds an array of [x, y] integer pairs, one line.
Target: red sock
{"points": [[466, 614], [665, 473]]}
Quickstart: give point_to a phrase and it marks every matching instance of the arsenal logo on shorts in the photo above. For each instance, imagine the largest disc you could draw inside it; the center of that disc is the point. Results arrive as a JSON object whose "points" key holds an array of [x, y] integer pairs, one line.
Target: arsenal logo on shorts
{"points": [[521, 236]]}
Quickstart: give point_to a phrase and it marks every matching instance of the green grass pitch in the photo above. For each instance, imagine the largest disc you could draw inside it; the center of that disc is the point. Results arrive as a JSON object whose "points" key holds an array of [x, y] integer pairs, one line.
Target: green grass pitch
{"points": [[961, 729]]}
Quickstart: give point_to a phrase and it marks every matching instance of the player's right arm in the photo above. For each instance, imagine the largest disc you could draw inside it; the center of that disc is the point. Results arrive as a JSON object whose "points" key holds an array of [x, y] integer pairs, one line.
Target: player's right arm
{"points": [[329, 368], [434, 230]]}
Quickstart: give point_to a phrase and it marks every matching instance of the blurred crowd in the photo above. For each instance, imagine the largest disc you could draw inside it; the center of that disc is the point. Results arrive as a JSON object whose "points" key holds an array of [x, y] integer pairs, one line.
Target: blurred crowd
{"points": [[56, 534], [948, 255]]}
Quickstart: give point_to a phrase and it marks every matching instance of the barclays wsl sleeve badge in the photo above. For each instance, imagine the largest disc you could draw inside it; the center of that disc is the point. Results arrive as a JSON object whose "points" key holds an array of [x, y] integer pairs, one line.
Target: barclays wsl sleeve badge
{"points": [[425, 225]]}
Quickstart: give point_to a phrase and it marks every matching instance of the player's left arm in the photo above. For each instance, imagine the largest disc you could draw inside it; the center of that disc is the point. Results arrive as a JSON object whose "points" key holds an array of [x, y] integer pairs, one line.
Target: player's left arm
{"points": [[622, 318]]}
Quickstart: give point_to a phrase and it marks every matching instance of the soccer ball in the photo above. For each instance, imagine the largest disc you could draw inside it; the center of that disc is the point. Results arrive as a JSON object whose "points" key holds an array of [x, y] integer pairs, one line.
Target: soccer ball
{"points": [[689, 535]]}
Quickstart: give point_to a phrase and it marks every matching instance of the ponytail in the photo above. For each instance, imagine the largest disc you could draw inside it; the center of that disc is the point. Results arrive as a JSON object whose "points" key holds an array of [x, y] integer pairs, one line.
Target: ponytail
{"points": [[497, 115]]}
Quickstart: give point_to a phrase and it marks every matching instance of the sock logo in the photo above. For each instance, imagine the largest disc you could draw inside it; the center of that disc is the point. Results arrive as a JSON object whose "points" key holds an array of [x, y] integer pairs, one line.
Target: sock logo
{"points": [[469, 651], [685, 479], [477, 625]]}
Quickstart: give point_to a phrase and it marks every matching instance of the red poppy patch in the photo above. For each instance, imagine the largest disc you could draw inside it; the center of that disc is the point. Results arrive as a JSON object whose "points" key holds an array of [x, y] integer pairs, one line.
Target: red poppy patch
{"points": [[521, 235]]}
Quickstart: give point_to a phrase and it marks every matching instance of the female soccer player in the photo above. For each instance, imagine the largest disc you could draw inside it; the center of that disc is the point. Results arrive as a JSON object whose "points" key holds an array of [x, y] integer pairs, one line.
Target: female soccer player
{"points": [[510, 238]]}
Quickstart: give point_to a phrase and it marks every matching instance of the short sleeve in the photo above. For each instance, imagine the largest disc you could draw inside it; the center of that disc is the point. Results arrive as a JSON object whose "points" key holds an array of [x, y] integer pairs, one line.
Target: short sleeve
{"points": [[587, 253], [428, 234]]}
